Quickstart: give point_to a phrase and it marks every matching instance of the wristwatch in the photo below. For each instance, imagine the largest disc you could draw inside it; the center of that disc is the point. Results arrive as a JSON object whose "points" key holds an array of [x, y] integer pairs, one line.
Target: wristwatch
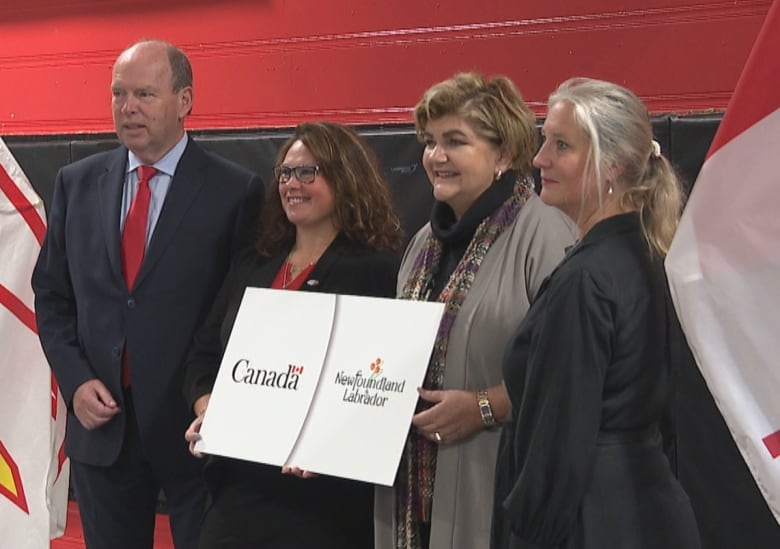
{"points": [[484, 408]]}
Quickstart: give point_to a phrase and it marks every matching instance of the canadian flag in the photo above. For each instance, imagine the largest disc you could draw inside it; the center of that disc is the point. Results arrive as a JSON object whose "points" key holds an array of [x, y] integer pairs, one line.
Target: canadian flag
{"points": [[33, 470], [724, 264]]}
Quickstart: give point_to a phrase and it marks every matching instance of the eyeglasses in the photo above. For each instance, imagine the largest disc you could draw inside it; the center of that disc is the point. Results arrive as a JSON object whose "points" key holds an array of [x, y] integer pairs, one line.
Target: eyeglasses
{"points": [[304, 174]]}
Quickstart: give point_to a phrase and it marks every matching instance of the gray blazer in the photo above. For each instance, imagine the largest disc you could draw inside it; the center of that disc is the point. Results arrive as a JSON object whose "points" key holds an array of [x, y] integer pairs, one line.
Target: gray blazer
{"points": [[507, 281]]}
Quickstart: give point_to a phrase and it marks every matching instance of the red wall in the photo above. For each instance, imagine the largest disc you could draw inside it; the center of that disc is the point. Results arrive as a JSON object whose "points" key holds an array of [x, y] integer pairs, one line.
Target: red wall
{"points": [[272, 63]]}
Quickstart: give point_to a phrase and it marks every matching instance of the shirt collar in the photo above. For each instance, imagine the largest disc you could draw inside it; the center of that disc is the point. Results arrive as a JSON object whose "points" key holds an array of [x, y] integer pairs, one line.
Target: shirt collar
{"points": [[167, 164], [615, 224]]}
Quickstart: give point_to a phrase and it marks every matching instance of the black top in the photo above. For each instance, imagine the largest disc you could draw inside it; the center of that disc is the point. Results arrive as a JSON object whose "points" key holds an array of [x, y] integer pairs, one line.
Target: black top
{"points": [[456, 234], [589, 376], [283, 510]]}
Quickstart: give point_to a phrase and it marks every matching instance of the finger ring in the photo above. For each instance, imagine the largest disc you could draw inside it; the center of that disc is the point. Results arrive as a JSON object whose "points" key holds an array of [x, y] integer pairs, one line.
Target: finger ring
{"points": [[437, 436]]}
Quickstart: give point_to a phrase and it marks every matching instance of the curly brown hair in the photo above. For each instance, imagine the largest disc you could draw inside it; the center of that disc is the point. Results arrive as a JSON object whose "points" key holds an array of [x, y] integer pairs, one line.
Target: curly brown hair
{"points": [[363, 210]]}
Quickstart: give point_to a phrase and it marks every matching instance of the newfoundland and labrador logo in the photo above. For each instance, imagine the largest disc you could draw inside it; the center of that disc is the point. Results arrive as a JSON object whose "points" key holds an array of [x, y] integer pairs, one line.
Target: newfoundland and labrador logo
{"points": [[368, 389], [245, 374]]}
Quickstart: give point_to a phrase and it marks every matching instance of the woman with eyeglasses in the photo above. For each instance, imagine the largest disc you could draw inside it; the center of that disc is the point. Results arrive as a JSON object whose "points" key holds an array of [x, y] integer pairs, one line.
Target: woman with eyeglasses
{"points": [[489, 244], [327, 226]]}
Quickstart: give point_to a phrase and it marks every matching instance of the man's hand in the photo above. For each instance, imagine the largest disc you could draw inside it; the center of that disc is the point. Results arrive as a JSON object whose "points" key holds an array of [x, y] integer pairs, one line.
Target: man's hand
{"points": [[93, 404]]}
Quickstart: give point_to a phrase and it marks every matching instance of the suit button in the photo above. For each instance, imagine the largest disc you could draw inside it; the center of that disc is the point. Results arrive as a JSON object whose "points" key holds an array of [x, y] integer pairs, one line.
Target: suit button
{"points": [[131, 303], [116, 352]]}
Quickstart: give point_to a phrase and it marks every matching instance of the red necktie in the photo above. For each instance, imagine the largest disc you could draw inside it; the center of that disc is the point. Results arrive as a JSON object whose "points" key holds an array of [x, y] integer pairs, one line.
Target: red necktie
{"points": [[133, 242], [134, 233]]}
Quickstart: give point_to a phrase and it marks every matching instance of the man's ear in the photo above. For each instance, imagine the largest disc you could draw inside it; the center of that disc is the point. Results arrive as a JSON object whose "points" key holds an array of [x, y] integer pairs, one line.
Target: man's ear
{"points": [[185, 101]]}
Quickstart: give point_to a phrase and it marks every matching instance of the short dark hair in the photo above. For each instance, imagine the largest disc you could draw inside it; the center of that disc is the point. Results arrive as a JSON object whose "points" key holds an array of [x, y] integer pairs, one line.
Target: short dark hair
{"points": [[181, 70]]}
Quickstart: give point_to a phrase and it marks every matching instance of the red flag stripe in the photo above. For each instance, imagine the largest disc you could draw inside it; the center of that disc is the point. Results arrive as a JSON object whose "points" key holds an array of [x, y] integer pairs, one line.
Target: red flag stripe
{"points": [[751, 103], [20, 202], [55, 391], [18, 308], [772, 443], [61, 458]]}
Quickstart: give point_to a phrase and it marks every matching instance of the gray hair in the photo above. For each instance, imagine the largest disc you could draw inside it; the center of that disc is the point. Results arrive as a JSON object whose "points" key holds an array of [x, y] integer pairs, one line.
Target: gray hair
{"points": [[618, 126]]}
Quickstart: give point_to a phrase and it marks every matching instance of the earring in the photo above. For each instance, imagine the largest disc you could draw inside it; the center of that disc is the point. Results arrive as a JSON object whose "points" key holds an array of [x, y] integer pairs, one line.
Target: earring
{"points": [[609, 190], [498, 175]]}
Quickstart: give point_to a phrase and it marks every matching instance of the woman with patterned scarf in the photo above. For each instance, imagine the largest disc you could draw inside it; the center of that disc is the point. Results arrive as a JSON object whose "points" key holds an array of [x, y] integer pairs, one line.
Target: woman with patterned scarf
{"points": [[484, 254]]}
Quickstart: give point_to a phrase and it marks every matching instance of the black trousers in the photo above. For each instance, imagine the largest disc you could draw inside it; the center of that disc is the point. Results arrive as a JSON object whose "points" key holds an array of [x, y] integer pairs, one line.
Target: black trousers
{"points": [[254, 506], [118, 503]]}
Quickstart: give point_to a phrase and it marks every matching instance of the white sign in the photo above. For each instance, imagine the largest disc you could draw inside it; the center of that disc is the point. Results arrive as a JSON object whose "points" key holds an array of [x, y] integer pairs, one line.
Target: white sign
{"points": [[324, 382]]}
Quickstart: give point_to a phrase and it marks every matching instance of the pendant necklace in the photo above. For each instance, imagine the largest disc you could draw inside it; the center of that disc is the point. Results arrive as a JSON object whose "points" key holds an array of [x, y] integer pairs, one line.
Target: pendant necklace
{"points": [[287, 277]]}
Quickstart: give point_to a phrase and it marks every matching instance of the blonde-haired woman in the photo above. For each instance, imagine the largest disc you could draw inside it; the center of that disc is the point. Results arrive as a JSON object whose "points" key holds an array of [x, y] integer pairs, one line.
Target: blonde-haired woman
{"points": [[589, 375], [489, 244]]}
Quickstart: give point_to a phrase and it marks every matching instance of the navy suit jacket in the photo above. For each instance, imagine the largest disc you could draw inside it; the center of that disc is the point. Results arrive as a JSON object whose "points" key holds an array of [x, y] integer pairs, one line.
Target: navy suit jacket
{"points": [[86, 315]]}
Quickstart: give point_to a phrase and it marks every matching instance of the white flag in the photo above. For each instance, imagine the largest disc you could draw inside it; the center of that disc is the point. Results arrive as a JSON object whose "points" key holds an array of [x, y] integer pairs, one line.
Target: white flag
{"points": [[724, 264], [33, 471]]}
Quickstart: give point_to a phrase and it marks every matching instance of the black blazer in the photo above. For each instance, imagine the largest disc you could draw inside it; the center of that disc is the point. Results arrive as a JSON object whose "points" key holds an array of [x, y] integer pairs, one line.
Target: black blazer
{"points": [[86, 315], [339, 510], [344, 268]]}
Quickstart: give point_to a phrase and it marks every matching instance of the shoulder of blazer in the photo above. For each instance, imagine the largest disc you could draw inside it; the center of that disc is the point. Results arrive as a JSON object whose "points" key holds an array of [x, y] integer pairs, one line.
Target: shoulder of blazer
{"points": [[196, 152], [97, 163], [362, 258], [341, 250], [352, 268]]}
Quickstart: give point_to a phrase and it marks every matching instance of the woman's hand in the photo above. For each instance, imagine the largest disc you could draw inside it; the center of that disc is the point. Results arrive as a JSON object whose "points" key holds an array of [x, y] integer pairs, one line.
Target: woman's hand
{"points": [[192, 434], [298, 472], [453, 416]]}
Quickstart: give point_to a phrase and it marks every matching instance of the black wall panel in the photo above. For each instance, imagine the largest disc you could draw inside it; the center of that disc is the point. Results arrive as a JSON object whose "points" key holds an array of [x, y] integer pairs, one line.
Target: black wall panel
{"points": [[256, 152], [400, 156], [690, 139]]}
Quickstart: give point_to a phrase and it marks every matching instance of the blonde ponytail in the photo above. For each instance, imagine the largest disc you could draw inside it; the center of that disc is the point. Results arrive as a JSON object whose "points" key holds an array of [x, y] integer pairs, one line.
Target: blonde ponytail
{"points": [[658, 197]]}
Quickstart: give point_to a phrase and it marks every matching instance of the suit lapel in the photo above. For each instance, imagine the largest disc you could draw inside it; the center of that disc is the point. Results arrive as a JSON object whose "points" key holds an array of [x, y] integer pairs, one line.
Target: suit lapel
{"points": [[266, 274], [110, 185], [319, 277], [190, 176], [317, 280]]}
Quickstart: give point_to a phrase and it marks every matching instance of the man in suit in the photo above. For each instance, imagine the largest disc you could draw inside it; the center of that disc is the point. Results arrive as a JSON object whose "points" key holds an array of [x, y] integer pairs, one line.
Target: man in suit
{"points": [[117, 312]]}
